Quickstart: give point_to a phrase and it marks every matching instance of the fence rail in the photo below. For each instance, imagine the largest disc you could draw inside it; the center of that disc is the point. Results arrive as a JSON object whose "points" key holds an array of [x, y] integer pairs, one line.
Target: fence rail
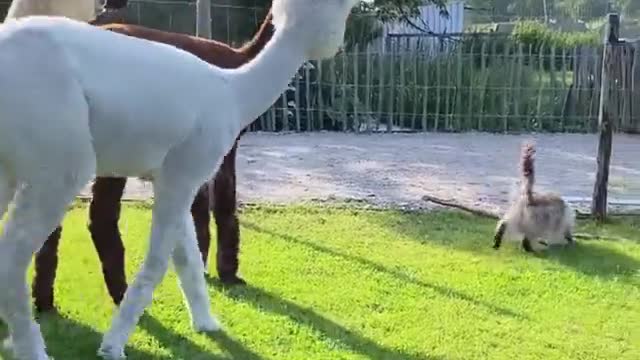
{"points": [[476, 85]]}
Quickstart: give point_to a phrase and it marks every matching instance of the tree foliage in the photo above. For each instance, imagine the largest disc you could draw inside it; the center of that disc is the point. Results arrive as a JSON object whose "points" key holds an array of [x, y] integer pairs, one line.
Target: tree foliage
{"points": [[572, 9], [387, 10], [364, 24]]}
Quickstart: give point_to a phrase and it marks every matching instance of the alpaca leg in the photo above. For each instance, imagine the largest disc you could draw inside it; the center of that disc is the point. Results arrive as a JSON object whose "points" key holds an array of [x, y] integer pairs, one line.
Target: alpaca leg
{"points": [[568, 236], [202, 219], [172, 202], [228, 230], [526, 244], [189, 267], [7, 190], [46, 264], [104, 213], [38, 209], [499, 234]]}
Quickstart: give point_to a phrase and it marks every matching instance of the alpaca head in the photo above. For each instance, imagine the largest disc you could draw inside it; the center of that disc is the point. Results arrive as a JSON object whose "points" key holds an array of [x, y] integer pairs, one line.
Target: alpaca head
{"points": [[320, 24]]}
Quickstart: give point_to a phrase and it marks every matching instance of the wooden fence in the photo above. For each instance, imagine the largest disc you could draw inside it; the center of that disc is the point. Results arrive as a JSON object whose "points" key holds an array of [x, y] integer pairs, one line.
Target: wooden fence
{"points": [[457, 82], [613, 106], [477, 85]]}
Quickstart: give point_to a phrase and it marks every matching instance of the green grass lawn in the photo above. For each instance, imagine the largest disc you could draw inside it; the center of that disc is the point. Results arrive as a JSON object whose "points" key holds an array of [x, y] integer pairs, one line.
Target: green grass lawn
{"points": [[355, 284]]}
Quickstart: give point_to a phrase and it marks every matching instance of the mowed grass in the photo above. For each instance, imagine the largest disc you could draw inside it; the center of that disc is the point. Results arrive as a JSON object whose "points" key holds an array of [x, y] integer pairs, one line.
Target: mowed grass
{"points": [[355, 284]]}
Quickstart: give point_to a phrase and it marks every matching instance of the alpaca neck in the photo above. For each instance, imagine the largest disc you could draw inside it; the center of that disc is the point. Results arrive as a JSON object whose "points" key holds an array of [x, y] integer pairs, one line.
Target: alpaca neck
{"points": [[260, 82]]}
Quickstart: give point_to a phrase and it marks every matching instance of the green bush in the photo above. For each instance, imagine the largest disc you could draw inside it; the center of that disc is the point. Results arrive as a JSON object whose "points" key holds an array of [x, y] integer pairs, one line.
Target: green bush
{"points": [[533, 39], [454, 95], [536, 34], [479, 85]]}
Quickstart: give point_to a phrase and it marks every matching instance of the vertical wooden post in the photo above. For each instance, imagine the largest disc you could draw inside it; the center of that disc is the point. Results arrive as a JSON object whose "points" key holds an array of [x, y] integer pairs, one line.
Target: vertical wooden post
{"points": [[507, 87], [599, 200], [402, 52], [203, 18], [356, 84], [367, 88], [381, 56], [425, 91], [343, 91], [457, 113], [414, 85], [319, 83], [484, 79], [296, 96], [392, 86], [539, 114], [307, 93]]}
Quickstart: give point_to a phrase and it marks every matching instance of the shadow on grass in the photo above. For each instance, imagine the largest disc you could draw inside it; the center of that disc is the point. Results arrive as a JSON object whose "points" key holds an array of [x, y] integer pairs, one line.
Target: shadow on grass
{"points": [[442, 290], [186, 348], [476, 235], [68, 339], [615, 228], [595, 260], [267, 301]]}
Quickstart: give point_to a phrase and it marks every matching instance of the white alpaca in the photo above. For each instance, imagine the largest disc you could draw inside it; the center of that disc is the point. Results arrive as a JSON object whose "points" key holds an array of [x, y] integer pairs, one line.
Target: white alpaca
{"points": [[78, 101], [81, 10]]}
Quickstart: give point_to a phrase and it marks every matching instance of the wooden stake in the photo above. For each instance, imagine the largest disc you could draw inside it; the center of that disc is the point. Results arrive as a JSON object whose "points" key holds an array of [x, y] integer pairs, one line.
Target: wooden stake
{"points": [[599, 201]]}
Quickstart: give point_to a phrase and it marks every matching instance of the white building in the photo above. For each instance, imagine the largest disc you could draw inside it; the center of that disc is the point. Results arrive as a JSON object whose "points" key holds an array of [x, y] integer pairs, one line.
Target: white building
{"points": [[407, 38]]}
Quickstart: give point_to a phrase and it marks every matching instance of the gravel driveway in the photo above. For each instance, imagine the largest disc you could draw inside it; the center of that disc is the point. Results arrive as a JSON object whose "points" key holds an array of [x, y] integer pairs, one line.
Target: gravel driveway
{"points": [[398, 169]]}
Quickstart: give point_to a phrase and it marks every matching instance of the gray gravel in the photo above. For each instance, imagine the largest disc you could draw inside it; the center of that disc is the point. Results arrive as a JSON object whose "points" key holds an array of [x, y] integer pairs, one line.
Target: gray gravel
{"points": [[396, 170]]}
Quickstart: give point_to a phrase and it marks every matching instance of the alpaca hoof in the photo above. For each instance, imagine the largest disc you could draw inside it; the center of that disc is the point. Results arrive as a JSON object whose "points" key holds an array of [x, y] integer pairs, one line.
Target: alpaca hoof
{"points": [[526, 246], [7, 345], [231, 280], [44, 307], [118, 300], [111, 353], [206, 324]]}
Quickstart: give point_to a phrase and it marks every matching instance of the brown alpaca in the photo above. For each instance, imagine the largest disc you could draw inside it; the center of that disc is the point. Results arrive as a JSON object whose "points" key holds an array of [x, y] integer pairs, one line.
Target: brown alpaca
{"points": [[104, 210]]}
